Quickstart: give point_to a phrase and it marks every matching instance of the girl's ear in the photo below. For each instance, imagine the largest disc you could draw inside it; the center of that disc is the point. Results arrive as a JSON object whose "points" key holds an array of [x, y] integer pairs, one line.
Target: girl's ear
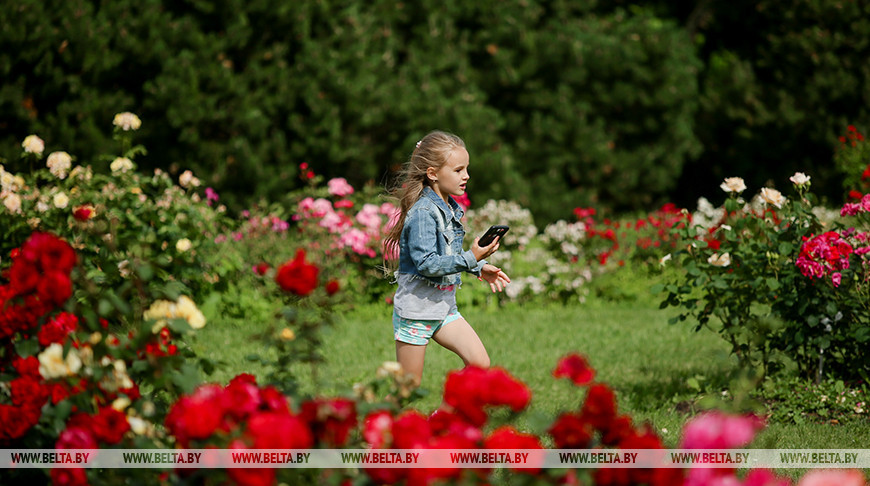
{"points": [[432, 174]]}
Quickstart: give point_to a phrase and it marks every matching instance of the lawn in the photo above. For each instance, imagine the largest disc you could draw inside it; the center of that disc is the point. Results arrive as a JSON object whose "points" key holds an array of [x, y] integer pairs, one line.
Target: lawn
{"points": [[653, 366]]}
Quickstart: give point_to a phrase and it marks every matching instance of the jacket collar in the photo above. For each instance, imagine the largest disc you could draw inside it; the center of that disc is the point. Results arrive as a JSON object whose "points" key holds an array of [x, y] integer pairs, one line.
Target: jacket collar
{"points": [[453, 209]]}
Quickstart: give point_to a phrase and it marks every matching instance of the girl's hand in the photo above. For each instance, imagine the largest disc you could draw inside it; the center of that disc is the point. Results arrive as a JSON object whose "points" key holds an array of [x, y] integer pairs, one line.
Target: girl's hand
{"points": [[481, 252], [496, 278]]}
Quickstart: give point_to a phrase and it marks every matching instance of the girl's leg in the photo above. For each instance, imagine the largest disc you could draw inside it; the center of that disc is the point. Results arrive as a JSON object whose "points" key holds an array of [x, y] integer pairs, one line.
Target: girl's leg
{"points": [[458, 336], [411, 357]]}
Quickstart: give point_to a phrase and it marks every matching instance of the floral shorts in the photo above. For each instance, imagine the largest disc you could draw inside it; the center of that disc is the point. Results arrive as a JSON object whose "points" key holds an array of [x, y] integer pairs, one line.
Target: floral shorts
{"points": [[419, 331]]}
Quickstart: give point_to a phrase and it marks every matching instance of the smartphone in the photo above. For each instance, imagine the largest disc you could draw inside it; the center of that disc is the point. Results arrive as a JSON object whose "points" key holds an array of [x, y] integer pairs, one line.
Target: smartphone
{"points": [[496, 230]]}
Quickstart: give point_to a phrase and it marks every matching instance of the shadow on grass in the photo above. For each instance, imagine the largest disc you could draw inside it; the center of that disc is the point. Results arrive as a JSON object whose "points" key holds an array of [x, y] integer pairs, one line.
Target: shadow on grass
{"points": [[660, 387]]}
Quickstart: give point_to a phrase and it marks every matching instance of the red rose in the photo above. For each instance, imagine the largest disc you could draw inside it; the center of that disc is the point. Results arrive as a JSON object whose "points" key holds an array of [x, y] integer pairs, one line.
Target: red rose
{"points": [[463, 391], [241, 398], [618, 429], [196, 416], [276, 430], [508, 438], [330, 419], [411, 430], [69, 476], [110, 425], [57, 329], [16, 421], [76, 437], [23, 277], [332, 287], [297, 276], [599, 409], [377, 429], [260, 268], [449, 424], [504, 389], [50, 252], [273, 400], [28, 391], [570, 431], [55, 287], [250, 476], [243, 378], [472, 389], [28, 366], [83, 213], [576, 368]]}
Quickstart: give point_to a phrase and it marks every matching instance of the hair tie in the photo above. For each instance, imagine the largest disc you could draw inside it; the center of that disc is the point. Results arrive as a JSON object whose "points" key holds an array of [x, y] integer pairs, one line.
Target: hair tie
{"points": [[419, 142]]}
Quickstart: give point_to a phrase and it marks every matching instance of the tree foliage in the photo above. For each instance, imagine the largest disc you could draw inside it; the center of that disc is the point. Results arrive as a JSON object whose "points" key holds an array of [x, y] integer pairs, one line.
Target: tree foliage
{"points": [[561, 103]]}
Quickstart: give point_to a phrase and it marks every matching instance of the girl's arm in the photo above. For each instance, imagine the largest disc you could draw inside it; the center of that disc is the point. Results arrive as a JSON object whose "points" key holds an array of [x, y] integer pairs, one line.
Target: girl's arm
{"points": [[422, 234]]}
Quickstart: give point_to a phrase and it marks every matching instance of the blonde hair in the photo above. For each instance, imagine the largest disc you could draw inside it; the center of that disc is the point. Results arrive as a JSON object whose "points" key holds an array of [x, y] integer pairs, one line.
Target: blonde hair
{"points": [[433, 150]]}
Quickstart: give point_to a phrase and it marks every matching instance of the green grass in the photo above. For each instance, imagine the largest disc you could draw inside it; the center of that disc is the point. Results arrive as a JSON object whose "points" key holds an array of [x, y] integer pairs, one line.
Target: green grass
{"points": [[648, 362]]}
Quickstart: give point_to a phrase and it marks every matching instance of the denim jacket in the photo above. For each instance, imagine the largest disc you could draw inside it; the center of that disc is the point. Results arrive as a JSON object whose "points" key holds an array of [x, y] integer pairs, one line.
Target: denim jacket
{"points": [[431, 242]]}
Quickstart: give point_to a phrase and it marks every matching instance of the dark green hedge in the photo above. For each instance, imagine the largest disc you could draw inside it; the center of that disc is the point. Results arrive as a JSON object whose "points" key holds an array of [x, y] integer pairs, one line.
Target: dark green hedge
{"points": [[562, 103]]}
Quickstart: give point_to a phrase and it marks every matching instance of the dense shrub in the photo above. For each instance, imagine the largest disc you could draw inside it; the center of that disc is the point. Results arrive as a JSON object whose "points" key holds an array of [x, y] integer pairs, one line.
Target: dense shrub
{"points": [[558, 106]]}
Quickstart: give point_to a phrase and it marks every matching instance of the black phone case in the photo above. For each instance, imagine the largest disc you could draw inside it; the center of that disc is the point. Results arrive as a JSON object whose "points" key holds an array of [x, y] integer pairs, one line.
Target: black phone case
{"points": [[493, 231]]}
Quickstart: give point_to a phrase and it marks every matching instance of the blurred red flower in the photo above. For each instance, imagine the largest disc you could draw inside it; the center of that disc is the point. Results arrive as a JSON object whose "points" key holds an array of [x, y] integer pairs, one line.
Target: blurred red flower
{"points": [[298, 276], [576, 368]]}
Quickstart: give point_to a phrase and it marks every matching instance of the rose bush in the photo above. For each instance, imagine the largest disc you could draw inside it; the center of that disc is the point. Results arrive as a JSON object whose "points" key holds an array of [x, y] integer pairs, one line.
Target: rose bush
{"points": [[78, 386], [776, 283], [137, 235]]}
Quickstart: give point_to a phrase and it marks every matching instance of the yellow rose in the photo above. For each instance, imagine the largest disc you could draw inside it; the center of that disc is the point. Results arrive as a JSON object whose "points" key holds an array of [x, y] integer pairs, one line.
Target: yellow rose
{"points": [[187, 310], [60, 200], [53, 365], [121, 164], [33, 145], [183, 245]]}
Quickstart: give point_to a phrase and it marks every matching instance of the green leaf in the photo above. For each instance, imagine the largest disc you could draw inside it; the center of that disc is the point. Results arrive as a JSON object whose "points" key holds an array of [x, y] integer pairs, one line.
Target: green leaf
{"points": [[187, 377], [104, 307], [27, 347]]}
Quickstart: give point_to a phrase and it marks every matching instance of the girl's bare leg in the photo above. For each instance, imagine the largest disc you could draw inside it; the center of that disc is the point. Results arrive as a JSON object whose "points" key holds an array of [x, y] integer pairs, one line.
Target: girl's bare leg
{"points": [[458, 336], [411, 357]]}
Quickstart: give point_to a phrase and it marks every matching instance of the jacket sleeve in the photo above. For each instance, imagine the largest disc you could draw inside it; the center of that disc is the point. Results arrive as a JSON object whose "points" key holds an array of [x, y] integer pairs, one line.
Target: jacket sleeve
{"points": [[422, 234]]}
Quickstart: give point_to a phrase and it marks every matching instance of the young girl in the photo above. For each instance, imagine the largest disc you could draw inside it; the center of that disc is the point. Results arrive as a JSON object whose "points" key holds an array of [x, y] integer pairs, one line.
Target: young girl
{"points": [[428, 235]]}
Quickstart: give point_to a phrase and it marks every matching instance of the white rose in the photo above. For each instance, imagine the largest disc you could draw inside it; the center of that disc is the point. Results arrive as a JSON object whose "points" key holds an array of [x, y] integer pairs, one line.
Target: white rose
{"points": [[60, 200], [121, 403], [187, 180], [733, 184], [718, 260], [665, 259], [58, 164], [7, 181], [183, 245], [33, 145], [127, 121], [772, 196], [121, 164], [53, 365], [12, 203], [137, 425], [799, 179]]}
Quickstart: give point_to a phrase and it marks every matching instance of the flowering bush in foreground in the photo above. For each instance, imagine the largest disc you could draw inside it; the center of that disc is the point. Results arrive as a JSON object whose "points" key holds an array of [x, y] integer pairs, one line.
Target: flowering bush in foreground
{"points": [[71, 383], [75, 387], [781, 286], [130, 229], [243, 415]]}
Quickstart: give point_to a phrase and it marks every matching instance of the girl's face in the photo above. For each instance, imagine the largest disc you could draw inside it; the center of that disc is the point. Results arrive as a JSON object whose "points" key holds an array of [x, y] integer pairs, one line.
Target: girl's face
{"points": [[451, 178]]}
